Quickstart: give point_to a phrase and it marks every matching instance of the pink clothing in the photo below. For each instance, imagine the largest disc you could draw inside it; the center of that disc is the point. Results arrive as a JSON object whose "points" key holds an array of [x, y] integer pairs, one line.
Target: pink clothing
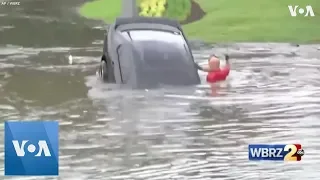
{"points": [[219, 75]]}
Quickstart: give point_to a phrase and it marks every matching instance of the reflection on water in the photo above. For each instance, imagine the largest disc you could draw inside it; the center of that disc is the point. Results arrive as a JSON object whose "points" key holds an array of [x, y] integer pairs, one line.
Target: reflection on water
{"points": [[271, 96]]}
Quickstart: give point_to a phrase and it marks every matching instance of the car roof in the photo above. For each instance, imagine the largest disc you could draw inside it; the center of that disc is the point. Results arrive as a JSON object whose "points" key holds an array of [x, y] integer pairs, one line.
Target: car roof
{"points": [[157, 35], [149, 20], [146, 26]]}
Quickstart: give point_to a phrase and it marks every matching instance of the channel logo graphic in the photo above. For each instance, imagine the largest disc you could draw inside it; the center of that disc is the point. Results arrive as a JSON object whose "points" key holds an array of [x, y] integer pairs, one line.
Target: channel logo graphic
{"points": [[275, 152], [31, 148], [307, 11]]}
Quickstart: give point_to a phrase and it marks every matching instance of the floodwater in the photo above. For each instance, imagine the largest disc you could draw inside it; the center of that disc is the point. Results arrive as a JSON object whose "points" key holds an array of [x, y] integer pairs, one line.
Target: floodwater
{"points": [[271, 96]]}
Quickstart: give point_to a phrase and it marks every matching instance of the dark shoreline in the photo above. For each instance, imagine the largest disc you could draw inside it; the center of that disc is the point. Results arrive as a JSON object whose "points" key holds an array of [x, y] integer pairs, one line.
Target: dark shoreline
{"points": [[196, 13]]}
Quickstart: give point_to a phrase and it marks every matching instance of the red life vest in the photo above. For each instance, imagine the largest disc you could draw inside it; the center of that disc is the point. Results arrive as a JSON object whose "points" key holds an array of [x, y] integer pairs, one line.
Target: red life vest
{"points": [[219, 75]]}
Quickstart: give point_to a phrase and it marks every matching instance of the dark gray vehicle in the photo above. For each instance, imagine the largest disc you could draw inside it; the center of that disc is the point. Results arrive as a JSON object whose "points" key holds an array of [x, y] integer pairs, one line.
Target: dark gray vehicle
{"points": [[147, 52]]}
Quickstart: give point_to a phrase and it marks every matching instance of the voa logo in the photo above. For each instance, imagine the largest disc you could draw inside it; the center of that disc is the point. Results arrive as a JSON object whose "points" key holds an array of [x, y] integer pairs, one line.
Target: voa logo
{"points": [[19, 147], [307, 11]]}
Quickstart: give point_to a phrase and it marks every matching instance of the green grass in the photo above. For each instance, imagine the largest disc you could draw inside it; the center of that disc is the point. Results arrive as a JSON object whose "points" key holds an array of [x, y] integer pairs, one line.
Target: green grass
{"points": [[109, 10], [255, 21], [234, 21], [106, 10], [178, 9]]}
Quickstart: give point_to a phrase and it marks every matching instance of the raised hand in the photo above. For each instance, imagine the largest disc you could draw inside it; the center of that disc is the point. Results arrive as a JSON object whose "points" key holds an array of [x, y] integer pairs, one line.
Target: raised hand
{"points": [[227, 57]]}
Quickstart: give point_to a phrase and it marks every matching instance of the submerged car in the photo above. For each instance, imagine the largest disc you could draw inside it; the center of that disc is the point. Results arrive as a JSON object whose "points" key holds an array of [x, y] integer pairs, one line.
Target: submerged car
{"points": [[144, 52]]}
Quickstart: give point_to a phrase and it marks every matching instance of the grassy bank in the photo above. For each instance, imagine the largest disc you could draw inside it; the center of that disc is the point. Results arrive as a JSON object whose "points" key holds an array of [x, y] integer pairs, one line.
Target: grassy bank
{"points": [[251, 20], [109, 10], [235, 21]]}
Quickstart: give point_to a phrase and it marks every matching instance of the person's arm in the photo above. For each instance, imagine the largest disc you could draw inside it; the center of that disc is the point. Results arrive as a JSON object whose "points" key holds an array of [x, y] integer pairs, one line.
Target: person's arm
{"points": [[226, 69], [227, 61], [203, 68]]}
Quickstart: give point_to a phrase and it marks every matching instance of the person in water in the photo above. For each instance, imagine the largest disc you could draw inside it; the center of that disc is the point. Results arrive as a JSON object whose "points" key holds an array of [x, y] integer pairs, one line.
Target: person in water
{"points": [[215, 73]]}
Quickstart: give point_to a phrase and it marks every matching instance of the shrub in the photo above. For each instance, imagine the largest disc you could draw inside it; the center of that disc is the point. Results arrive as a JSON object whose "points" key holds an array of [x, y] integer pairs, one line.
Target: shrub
{"points": [[175, 9], [152, 8], [178, 9]]}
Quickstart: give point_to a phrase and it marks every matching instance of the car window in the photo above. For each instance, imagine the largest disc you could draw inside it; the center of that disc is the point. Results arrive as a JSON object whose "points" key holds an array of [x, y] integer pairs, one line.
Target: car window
{"points": [[160, 49], [126, 59]]}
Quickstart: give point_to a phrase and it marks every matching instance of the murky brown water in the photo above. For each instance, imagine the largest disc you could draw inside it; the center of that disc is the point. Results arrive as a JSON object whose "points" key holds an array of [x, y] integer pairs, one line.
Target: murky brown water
{"points": [[272, 96]]}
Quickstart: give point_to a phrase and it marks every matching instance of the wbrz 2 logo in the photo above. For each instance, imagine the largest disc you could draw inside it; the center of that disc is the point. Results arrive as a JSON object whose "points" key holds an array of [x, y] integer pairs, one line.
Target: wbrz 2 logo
{"points": [[31, 148]]}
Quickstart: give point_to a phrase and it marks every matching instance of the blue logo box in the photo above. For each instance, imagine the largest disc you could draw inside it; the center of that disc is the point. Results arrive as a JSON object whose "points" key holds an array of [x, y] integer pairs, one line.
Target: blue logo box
{"points": [[31, 148]]}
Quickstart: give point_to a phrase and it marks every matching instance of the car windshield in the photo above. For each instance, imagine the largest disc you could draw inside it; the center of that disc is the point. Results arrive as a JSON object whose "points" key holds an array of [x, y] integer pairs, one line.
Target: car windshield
{"points": [[162, 54], [159, 46]]}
